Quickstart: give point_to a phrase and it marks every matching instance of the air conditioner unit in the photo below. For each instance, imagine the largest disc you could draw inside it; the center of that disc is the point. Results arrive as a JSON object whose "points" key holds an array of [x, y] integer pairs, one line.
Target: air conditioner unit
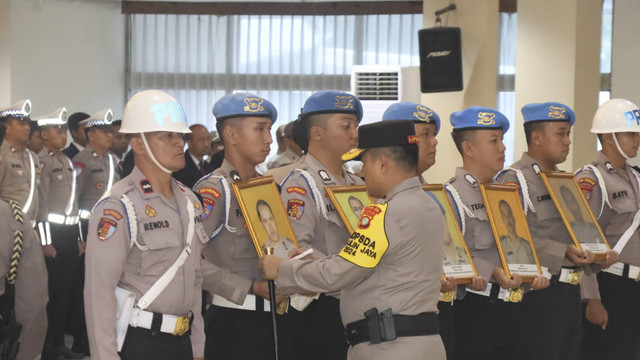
{"points": [[380, 86]]}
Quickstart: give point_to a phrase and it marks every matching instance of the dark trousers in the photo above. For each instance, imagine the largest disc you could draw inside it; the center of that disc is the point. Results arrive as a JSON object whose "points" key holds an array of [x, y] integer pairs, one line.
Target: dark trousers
{"points": [[445, 322], [234, 334], [317, 332], [61, 271], [76, 324], [620, 340], [487, 328], [143, 344], [553, 322]]}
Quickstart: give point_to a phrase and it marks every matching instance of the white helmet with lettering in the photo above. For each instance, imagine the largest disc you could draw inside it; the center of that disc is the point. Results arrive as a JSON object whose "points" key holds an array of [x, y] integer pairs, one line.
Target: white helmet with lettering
{"points": [[616, 115], [153, 110]]}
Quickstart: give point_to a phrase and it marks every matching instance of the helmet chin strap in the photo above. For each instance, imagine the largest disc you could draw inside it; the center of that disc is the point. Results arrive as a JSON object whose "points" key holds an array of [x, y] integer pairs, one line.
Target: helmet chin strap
{"points": [[615, 139], [153, 158]]}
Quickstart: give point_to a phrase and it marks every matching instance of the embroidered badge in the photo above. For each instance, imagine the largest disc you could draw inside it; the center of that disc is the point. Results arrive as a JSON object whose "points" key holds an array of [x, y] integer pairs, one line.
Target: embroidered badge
{"points": [[19, 172], [470, 179], [324, 176], [196, 205], [151, 212], [106, 228], [369, 242], [208, 206], [146, 187], [295, 208], [99, 185], [253, 104], [556, 112], [111, 212], [296, 189], [234, 175], [413, 139], [486, 118], [207, 190], [423, 113], [344, 102], [586, 186]]}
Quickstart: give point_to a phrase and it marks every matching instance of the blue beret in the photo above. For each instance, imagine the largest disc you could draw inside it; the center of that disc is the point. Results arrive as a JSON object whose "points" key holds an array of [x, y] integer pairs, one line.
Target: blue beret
{"points": [[243, 105], [549, 111], [477, 117], [413, 112], [332, 101]]}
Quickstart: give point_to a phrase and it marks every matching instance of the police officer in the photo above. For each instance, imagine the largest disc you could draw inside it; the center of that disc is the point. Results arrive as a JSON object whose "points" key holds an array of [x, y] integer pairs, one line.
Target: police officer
{"points": [[297, 142], [547, 127], [487, 322], [288, 151], [327, 126], [238, 322], [611, 188], [20, 170], [24, 282], [78, 135], [427, 125], [57, 224], [136, 233], [388, 273]]}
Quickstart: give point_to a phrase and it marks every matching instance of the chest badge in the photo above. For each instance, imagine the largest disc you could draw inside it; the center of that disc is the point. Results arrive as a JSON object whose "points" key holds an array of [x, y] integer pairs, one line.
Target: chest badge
{"points": [[324, 176], [151, 212]]}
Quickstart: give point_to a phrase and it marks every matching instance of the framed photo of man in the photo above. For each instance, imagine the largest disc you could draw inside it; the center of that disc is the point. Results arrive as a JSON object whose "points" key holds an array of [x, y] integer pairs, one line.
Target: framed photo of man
{"points": [[265, 216], [575, 212], [511, 231], [349, 201], [456, 259]]}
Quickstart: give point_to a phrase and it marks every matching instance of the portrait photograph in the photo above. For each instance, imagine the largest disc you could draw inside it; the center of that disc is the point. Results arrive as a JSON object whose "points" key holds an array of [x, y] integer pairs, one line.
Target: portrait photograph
{"points": [[510, 230], [265, 216], [456, 260], [575, 212], [349, 201]]}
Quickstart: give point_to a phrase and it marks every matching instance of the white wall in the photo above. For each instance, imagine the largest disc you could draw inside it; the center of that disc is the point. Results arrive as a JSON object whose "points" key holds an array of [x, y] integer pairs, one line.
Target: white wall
{"points": [[65, 53]]}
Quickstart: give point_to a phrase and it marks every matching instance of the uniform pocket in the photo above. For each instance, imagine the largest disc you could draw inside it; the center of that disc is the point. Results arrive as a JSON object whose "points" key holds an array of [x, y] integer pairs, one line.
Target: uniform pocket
{"points": [[164, 247]]}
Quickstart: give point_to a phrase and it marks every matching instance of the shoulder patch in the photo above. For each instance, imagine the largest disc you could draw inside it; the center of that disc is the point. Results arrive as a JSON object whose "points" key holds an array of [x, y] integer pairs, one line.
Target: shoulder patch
{"points": [[369, 241], [111, 212], [106, 228], [207, 190], [295, 208], [296, 189], [586, 186]]}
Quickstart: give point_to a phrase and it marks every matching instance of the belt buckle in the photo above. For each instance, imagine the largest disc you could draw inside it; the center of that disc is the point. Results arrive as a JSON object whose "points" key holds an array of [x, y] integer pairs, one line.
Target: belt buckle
{"points": [[576, 277], [451, 295], [515, 295], [182, 325]]}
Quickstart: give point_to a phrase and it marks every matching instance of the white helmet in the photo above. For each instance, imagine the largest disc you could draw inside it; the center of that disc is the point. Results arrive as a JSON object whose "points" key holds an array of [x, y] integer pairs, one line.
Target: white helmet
{"points": [[153, 110], [616, 115]]}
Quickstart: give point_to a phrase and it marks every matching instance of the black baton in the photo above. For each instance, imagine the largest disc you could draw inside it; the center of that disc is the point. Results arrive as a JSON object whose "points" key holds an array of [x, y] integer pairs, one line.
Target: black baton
{"points": [[272, 303]]}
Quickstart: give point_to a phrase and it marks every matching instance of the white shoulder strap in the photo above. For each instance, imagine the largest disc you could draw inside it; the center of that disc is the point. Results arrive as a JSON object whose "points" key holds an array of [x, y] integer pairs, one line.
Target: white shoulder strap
{"points": [[524, 191], [631, 229], [72, 196], [315, 192], [227, 206], [32, 182], [604, 196], [133, 223], [111, 176], [166, 278], [462, 208]]}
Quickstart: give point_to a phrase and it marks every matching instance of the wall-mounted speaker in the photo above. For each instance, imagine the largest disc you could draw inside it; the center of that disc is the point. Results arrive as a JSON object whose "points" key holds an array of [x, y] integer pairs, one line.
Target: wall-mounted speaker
{"points": [[440, 59]]}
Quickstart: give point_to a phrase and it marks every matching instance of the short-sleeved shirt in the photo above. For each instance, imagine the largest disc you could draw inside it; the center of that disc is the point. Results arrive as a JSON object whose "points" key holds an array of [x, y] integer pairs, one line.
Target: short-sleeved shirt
{"points": [[94, 176], [16, 175], [57, 185]]}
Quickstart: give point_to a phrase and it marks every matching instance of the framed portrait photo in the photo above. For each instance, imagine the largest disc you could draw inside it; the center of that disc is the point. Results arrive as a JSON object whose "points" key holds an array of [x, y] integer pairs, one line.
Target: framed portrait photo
{"points": [[265, 216], [575, 212], [349, 201], [511, 231], [456, 259]]}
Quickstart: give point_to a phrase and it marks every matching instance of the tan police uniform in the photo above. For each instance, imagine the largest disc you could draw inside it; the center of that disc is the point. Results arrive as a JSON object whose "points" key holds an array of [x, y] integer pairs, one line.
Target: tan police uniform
{"points": [[31, 281], [559, 304], [17, 180], [284, 158], [486, 324], [281, 173], [614, 198], [58, 226], [159, 227], [95, 176], [400, 272]]}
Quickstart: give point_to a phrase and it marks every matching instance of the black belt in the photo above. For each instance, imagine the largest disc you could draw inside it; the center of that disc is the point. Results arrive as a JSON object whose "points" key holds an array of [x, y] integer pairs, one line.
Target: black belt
{"points": [[385, 326]]}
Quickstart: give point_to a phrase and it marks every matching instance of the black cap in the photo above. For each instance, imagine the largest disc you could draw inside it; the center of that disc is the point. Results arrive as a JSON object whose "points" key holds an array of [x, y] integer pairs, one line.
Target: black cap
{"points": [[383, 134]]}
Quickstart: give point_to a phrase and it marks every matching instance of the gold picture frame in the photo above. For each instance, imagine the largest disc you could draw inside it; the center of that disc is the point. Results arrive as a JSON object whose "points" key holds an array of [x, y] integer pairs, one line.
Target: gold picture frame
{"points": [[457, 261], [349, 201], [256, 198], [571, 205], [511, 231]]}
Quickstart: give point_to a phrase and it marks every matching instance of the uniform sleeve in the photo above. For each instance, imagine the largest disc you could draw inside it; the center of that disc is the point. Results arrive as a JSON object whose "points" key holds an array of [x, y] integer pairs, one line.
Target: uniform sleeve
{"points": [[223, 282], [590, 190], [197, 329], [43, 190], [303, 213], [321, 276], [31, 295], [79, 166], [106, 254], [214, 201]]}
